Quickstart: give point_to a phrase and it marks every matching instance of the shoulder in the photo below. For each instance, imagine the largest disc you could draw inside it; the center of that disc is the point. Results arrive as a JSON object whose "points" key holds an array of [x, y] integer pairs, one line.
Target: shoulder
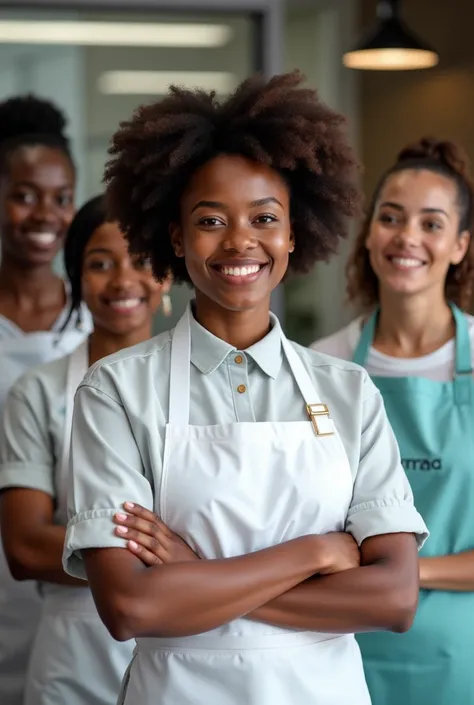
{"points": [[45, 381], [342, 343], [132, 368], [337, 377]]}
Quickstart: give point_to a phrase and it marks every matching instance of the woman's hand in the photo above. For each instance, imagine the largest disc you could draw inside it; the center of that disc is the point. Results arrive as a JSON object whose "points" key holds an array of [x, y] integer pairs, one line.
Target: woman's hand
{"points": [[149, 538], [340, 552]]}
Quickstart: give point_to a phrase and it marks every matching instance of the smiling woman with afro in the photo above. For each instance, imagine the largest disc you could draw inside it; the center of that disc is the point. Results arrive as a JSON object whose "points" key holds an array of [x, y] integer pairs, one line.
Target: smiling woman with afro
{"points": [[263, 477]]}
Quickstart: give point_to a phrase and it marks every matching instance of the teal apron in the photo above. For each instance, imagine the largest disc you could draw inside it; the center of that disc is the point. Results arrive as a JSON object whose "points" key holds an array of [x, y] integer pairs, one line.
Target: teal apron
{"points": [[433, 663]]}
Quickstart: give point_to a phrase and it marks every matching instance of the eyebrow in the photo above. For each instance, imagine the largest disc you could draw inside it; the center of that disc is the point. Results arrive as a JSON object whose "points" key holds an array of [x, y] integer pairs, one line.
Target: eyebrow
{"points": [[398, 207], [253, 204], [98, 250], [32, 185]]}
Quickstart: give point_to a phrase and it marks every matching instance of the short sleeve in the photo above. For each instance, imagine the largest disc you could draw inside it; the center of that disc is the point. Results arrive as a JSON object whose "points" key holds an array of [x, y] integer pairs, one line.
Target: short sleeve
{"points": [[382, 501], [26, 453], [106, 471]]}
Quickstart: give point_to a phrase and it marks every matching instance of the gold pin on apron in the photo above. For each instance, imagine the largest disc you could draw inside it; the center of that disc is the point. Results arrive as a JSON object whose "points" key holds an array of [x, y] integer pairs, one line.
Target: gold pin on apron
{"points": [[319, 417]]}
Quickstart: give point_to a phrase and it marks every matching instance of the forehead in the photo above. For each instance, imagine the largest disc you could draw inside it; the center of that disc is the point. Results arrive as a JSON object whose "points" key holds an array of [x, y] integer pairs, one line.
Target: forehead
{"points": [[233, 179], [419, 189], [107, 236], [43, 166]]}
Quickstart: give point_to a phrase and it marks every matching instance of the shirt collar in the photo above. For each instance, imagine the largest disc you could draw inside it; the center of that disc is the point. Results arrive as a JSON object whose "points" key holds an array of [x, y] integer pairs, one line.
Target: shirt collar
{"points": [[209, 352]]}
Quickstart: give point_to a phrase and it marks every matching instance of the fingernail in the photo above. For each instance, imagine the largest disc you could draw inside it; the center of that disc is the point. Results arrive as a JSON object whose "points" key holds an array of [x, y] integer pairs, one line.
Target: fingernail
{"points": [[121, 517], [128, 505], [122, 529], [134, 546]]}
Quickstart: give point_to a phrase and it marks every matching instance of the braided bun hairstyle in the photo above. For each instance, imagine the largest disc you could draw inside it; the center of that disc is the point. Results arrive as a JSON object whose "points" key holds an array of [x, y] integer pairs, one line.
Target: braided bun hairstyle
{"points": [[28, 121], [441, 157]]}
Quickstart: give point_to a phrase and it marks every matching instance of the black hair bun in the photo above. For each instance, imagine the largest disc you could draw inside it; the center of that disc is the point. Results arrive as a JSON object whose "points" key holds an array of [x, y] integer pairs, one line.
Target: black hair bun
{"points": [[29, 115], [448, 153]]}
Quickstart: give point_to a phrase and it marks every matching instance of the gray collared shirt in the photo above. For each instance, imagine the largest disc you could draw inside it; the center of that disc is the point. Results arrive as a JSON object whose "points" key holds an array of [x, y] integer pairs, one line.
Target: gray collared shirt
{"points": [[121, 411]]}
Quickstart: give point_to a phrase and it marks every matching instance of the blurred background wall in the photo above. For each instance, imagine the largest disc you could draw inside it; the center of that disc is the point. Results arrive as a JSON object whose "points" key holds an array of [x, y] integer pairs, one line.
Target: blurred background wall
{"points": [[98, 85]]}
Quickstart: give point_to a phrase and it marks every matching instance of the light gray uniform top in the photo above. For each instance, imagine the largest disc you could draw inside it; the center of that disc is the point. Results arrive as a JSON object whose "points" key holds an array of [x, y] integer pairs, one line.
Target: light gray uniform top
{"points": [[33, 428], [121, 412], [70, 631], [19, 602]]}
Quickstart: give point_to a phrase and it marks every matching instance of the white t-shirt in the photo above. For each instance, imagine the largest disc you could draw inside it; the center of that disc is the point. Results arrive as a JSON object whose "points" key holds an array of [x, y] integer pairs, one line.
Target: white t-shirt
{"points": [[438, 365]]}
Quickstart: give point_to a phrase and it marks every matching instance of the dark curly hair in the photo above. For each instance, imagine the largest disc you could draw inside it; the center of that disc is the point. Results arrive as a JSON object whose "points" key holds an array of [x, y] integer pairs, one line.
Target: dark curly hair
{"points": [[441, 157], [28, 121], [276, 122]]}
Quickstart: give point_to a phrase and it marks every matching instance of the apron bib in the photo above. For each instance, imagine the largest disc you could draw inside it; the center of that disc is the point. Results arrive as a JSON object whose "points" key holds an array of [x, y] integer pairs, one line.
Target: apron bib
{"points": [[434, 425], [229, 490], [20, 602], [74, 660]]}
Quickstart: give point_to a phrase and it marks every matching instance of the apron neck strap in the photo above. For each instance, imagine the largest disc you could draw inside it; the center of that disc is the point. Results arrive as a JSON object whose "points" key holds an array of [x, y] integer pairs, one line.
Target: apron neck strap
{"points": [[463, 355], [463, 361], [367, 335], [179, 392]]}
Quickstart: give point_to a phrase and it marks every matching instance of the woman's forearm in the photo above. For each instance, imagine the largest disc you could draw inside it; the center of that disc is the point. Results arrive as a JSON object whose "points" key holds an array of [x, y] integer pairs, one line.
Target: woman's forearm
{"points": [[38, 556], [380, 596], [181, 599], [452, 572]]}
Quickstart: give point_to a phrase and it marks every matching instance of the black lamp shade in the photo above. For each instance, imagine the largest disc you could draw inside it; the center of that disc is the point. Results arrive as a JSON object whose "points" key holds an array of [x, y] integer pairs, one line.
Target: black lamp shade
{"points": [[390, 46]]}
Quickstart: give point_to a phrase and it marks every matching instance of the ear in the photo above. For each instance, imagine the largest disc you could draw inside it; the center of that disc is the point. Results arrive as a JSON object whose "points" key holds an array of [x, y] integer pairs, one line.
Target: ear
{"points": [[176, 239], [292, 242], [461, 246]]}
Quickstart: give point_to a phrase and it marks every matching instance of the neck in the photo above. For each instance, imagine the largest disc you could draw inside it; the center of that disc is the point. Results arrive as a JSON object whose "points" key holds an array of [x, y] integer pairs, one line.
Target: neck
{"points": [[413, 326], [241, 329], [20, 282], [103, 342]]}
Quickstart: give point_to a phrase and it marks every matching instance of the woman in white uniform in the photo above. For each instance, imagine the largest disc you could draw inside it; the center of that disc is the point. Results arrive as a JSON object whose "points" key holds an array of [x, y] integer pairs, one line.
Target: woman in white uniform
{"points": [[74, 660], [36, 206], [271, 462], [412, 270]]}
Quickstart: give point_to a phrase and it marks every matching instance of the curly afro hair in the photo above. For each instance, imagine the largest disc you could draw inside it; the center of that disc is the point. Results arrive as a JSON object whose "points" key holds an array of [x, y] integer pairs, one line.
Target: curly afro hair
{"points": [[441, 157], [28, 121], [277, 123]]}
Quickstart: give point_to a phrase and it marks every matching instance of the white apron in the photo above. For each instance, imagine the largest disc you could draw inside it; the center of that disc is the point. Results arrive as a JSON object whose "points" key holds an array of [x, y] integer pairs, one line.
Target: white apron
{"points": [[20, 602], [233, 489], [74, 660]]}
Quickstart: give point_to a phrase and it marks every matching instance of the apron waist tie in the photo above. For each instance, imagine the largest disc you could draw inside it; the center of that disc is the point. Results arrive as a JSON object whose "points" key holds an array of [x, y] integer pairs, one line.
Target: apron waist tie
{"points": [[249, 642]]}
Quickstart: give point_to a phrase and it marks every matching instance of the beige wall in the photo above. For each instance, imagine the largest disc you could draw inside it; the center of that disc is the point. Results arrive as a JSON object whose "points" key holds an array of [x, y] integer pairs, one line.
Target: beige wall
{"points": [[396, 108], [315, 39]]}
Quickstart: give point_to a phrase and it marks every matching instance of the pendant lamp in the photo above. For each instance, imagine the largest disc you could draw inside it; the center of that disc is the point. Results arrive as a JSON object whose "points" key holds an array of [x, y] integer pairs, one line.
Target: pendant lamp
{"points": [[390, 45]]}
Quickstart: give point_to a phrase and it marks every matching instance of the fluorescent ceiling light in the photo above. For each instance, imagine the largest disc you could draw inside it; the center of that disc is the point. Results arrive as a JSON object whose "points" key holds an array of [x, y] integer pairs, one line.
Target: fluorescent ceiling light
{"points": [[114, 33], [158, 82]]}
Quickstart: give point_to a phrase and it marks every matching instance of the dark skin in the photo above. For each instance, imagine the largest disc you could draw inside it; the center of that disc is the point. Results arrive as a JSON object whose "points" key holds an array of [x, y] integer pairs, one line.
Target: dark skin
{"points": [[36, 208], [33, 542], [235, 212]]}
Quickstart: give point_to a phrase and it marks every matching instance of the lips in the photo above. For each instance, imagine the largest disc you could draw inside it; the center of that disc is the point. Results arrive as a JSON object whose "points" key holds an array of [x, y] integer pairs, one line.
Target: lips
{"points": [[238, 273]]}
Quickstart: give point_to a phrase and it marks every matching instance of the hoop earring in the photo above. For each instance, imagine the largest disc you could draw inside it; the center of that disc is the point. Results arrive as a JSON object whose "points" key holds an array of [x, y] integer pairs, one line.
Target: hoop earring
{"points": [[166, 305]]}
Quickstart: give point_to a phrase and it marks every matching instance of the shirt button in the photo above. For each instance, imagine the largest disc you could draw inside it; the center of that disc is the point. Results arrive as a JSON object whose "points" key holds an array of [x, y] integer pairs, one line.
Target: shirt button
{"points": [[239, 359], [241, 388]]}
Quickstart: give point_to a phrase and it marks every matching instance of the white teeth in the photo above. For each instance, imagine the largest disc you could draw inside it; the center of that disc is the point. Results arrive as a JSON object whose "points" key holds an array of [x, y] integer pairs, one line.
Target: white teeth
{"points": [[407, 262], [240, 271], [42, 238], [125, 303]]}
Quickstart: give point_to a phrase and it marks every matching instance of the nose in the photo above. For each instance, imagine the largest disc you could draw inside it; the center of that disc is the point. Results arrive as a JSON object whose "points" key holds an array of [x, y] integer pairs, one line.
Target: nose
{"points": [[409, 234], [45, 211], [124, 277], [239, 238]]}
